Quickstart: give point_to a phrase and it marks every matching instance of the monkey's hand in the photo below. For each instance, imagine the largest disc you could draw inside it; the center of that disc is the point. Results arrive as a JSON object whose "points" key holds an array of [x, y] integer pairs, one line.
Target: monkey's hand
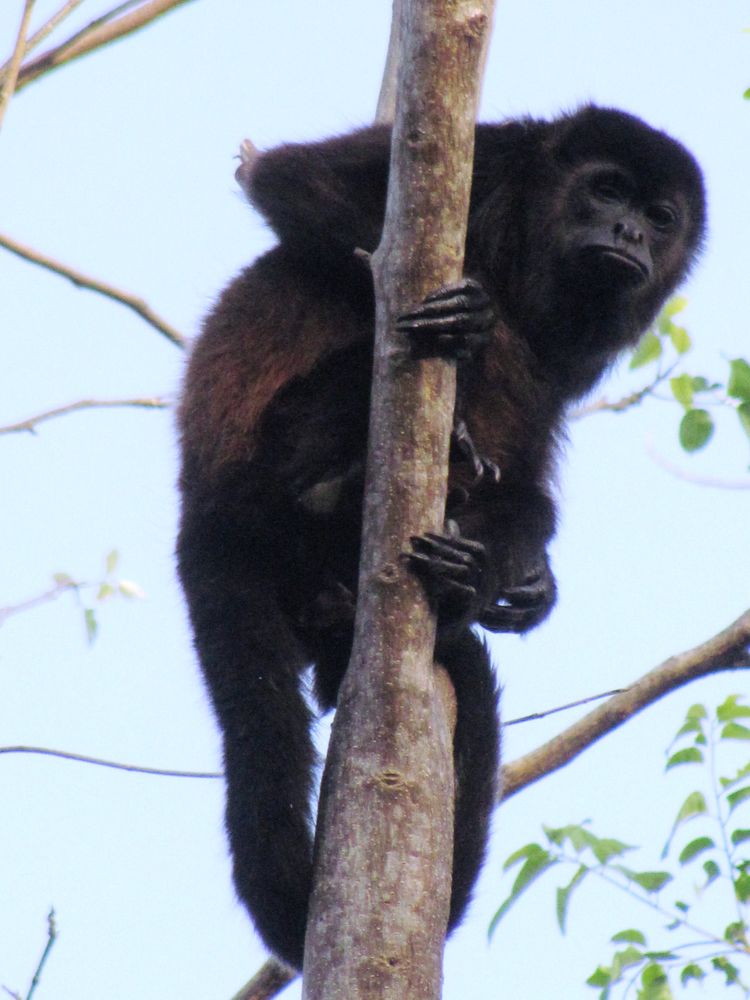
{"points": [[456, 321], [451, 569], [525, 604]]}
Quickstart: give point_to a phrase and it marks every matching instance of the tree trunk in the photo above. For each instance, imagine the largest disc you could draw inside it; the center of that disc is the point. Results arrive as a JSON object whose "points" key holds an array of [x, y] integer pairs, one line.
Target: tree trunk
{"points": [[384, 841]]}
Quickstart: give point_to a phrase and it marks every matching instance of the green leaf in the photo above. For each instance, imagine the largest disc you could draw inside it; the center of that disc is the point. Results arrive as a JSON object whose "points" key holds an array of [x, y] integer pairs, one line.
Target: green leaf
{"points": [[740, 836], [682, 389], [712, 871], [564, 893], [602, 977], [603, 848], [92, 627], [739, 776], [738, 386], [696, 429], [111, 561], [631, 937], [692, 971], [675, 305], [105, 590], [743, 412], [537, 861], [655, 985], [691, 755], [63, 579], [680, 338], [731, 709], [734, 731], [694, 848], [736, 932], [742, 886], [650, 881], [701, 384], [694, 805], [731, 972], [648, 349], [737, 798], [626, 958]]}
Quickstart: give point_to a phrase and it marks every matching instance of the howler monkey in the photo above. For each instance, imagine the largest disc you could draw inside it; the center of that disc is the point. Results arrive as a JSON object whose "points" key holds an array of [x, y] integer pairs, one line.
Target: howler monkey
{"points": [[579, 229]]}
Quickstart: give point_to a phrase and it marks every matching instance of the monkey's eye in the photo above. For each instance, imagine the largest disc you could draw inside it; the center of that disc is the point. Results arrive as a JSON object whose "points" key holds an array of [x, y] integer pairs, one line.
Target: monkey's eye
{"points": [[661, 215], [610, 187]]}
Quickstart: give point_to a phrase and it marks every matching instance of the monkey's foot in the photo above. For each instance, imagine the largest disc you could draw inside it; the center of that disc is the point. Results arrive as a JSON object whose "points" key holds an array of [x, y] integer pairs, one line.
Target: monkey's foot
{"points": [[524, 605]]}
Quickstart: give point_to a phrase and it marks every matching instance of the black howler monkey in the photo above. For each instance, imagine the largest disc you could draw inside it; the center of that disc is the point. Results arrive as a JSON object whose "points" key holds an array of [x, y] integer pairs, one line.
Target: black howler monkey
{"points": [[579, 229]]}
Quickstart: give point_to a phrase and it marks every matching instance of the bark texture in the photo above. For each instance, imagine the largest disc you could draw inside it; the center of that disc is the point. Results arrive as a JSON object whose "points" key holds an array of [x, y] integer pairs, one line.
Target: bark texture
{"points": [[382, 885]]}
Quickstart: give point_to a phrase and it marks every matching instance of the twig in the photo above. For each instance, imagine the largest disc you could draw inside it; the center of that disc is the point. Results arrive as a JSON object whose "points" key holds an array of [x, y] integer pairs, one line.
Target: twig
{"points": [[14, 64], [626, 402], [98, 33], [116, 765], [535, 716], [715, 482], [80, 280], [51, 938], [61, 587], [29, 425], [46, 29], [729, 650]]}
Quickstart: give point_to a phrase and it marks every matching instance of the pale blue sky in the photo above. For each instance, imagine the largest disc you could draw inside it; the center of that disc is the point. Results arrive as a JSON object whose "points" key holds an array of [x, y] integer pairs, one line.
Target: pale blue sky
{"points": [[122, 165]]}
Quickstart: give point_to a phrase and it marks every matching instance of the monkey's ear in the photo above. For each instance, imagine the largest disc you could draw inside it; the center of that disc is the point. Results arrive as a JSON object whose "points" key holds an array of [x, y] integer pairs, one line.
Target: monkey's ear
{"points": [[248, 155]]}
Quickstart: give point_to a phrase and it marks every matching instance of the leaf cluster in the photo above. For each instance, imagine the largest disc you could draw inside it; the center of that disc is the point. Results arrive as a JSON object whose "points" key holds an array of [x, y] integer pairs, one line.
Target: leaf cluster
{"points": [[696, 394], [712, 860]]}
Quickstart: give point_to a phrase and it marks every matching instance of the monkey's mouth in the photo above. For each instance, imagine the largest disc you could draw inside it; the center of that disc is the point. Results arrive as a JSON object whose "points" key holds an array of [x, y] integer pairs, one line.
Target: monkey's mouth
{"points": [[633, 269]]}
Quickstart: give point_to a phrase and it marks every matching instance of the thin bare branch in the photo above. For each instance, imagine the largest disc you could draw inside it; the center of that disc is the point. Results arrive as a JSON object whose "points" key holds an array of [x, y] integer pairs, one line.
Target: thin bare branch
{"points": [[729, 650], [714, 482], [269, 980], [98, 33], [14, 64], [51, 938], [62, 586], [41, 33], [116, 765], [81, 280], [29, 425], [536, 716]]}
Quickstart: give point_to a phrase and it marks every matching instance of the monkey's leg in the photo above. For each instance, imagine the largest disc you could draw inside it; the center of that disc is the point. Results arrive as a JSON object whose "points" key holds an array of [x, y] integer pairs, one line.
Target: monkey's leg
{"points": [[251, 662]]}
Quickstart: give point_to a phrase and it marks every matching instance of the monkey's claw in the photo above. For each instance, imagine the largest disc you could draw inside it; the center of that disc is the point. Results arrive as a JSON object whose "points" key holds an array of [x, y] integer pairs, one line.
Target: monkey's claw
{"points": [[463, 449]]}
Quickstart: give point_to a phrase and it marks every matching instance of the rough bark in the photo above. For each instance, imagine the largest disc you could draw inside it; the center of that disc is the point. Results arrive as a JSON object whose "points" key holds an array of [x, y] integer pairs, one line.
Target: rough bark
{"points": [[382, 884]]}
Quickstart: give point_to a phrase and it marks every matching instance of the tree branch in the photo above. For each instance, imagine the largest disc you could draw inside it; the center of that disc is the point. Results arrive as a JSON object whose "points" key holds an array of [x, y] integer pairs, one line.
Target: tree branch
{"points": [[81, 280], [729, 650], [115, 765], [14, 63], [105, 29], [29, 425]]}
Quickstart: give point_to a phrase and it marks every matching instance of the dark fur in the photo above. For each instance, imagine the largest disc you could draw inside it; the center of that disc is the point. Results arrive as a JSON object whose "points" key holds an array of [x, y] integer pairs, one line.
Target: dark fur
{"points": [[274, 426]]}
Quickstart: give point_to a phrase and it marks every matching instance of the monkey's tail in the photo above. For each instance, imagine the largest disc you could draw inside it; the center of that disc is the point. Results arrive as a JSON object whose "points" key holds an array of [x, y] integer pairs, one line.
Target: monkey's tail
{"points": [[252, 664], [476, 753]]}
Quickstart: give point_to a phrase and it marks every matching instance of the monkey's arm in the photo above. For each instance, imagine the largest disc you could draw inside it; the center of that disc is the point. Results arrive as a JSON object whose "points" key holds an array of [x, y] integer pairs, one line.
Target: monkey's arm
{"points": [[324, 196]]}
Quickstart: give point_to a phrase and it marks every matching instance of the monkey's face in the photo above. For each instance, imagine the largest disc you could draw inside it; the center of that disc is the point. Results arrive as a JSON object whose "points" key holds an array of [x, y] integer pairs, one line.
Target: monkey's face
{"points": [[618, 234]]}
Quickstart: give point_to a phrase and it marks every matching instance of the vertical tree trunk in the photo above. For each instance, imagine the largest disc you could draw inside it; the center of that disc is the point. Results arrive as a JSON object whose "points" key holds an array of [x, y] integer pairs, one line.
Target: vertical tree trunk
{"points": [[382, 886]]}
